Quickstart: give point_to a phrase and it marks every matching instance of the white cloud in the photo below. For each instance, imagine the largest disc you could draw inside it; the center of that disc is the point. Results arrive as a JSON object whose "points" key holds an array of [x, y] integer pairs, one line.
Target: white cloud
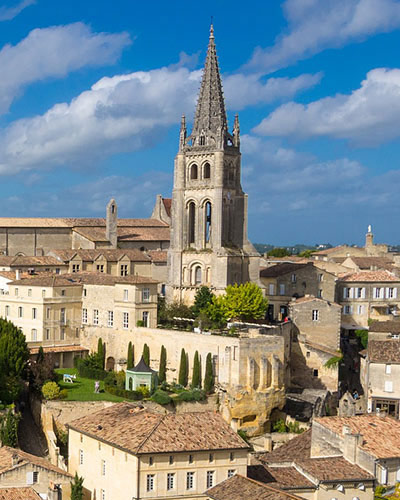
{"points": [[8, 13], [122, 113], [53, 53], [368, 116], [315, 25], [249, 90]]}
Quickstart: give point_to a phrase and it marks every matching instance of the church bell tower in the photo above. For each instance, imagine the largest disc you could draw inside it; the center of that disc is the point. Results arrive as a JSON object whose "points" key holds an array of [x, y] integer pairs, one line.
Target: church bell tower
{"points": [[209, 244]]}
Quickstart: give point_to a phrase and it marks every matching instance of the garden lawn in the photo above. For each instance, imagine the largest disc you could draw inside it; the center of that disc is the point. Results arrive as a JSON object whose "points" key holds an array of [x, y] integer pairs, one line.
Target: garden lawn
{"points": [[83, 388]]}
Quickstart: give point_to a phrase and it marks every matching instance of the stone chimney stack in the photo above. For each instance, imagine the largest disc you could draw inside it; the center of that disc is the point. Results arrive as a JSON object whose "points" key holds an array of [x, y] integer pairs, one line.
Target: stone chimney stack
{"points": [[351, 443], [369, 238], [111, 223]]}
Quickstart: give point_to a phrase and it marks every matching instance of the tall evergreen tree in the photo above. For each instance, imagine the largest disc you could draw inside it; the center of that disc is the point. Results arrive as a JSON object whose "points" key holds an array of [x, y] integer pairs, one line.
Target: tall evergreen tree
{"points": [[146, 354], [162, 372], [77, 488], [40, 356], [9, 429], [209, 376], [202, 300], [101, 352], [196, 381], [129, 364], [183, 369]]}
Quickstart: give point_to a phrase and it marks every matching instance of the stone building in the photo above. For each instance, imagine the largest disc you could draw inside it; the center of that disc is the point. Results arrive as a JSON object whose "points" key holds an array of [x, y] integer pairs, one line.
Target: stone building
{"points": [[316, 339], [163, 455], [285, 281], [209, 244]]}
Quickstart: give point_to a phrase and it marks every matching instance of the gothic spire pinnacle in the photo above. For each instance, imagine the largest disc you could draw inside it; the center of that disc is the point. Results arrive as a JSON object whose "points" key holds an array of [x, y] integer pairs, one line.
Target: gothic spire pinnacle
{"points": [[210, 127]]}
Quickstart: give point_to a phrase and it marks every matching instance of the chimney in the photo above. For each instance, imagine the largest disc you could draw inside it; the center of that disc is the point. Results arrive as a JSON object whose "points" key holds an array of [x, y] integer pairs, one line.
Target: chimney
{"points": [[369, 238], [350, 446], [14, 460], [17, 274], [111, 223]]}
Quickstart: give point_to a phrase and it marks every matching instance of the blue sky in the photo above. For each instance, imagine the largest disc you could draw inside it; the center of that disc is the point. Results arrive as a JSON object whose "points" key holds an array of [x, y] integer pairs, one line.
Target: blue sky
{"points": [[91, 95]]}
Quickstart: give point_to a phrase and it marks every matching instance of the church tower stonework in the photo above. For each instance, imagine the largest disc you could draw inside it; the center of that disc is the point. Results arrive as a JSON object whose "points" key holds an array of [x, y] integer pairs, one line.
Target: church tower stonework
{"points": [[209, 244]]}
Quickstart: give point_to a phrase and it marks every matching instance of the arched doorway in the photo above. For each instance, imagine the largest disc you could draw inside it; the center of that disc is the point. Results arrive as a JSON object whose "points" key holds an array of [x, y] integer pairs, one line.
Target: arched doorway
{"points": [[110, 363]]}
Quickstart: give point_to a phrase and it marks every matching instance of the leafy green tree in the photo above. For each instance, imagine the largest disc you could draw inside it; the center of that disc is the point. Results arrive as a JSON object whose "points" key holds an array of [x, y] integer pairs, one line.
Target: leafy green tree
{"points": [[196, 376], [306, 253], [42, 371], [202, 300], [9, 429], [162, 372], [146, 354], [363, 336], [77, 488], [183, 369], [101, 352], [40, 356], [129, 364], [14, 355], [278, 252], [209, 376], [51, 390], [244, 302]]}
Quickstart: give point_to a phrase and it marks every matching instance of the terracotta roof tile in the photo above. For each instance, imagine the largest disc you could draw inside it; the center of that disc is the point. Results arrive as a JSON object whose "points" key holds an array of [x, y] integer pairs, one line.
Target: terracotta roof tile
{"points": [[281, 477], [366, 276], [140, 431], [385, 326], [329, 251], [21, 493], [6, 461], [141, 233], [167, 205], [381, 435], [333, 469], [243, 488], [158, 255], [64, 348], [384, 351], [111, 255], [298, 447], [75, 222], [280, 269]]}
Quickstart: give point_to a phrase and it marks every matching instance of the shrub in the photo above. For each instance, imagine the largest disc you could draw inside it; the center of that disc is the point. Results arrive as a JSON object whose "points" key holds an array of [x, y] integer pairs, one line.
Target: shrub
{"points": [[51, 390], [86, 370], [139, 322], [279, 426], [144, 391], [161, 397], [123, 393], [193, 395], [9, 429], [63, 394]]}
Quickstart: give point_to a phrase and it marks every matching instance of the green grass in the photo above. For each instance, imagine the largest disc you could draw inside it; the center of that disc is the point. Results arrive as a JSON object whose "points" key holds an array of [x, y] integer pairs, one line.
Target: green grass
{"points": [[83, 388]]}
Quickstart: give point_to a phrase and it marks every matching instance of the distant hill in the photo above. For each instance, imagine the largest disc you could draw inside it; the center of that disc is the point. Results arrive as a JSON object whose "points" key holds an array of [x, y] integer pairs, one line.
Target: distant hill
{"points": [[293, 250]]}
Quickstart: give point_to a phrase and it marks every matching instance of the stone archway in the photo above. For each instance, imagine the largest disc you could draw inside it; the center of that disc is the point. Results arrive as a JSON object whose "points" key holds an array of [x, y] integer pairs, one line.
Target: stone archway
{"points": [[110, 363]]}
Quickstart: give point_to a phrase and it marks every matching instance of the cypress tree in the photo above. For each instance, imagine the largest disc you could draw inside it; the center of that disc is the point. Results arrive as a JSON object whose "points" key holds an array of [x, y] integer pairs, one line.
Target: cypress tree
{"points": [[196, 382], [40, 356], [101, 353], [209, 377], [129, 364], [183, 369], [162, 372], [146, 354], [77, 488]]}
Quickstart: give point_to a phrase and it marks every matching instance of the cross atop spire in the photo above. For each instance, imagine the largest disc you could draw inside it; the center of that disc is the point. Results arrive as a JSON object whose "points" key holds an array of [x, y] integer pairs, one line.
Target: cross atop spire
{"points": [[210, 127]]}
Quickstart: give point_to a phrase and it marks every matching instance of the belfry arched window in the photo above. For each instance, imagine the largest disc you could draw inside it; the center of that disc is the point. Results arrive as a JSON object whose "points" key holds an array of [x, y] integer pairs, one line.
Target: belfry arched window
{"points": [[193, 171], [192, 222], [207, 171], [197, 275], [207, 228]]}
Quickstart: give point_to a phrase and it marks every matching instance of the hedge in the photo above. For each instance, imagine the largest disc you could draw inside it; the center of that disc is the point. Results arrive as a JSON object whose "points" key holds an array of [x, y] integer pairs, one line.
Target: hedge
{"points": [[161, 397], [88, 372], [123, 393], [193, 395]]}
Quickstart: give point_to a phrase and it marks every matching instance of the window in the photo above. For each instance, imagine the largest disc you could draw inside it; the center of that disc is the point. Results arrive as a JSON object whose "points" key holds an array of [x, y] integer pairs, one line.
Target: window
{"points": [[170, 481], [388, 369], [293, 278], [75, 268], [95, 316], [378, 292], [390, 293], [346, 293], [190, 459], [315, 373], [271, 289], [207, 171], [171, 459], [211, 457], [32, 477], [29, 292], [308, 354], [193, 171], [34, 334], [123, 270], [388, 386], [57, 270], [48, 313], [320, 277], [103, 467], [62, 316], [43, 293], [231, 472], [210, 478], [384, 475], [100, 268], [85, 292], [63, 293], [34, 313], [84, 316], [231, 456], [126, 320], [20, 312], [16, 291], [207, 227], [80, 457], [320, 293], [151, 461], [347, 309], [62, 334], [110, 322], [47, 334], [192, 222], [150, 482], [282, 289], [189, 480], [126, 293], [360, 309], [197, 275], [77, 333], [315, 315], [146, 295], [102, 495], [145, 318]]}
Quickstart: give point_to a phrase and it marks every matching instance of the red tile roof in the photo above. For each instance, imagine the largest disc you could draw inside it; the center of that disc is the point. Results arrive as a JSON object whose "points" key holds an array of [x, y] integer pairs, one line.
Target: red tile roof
{"points": [[367, 276], [384, 351], [19, 493]]}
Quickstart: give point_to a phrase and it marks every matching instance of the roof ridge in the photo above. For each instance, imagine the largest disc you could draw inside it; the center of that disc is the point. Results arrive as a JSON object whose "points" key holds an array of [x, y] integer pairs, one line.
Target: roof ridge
{"points": [[151, 432]]}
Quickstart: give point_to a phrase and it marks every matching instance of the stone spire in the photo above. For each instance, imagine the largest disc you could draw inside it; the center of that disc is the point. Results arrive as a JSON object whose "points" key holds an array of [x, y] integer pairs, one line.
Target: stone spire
{"points": [[210, 127]]}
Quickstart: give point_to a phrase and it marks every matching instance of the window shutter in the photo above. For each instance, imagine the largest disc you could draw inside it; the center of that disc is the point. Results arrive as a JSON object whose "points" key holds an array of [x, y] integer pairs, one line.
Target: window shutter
{"points": [[345, 293], [382, 293], [387, 292], [374, 292], [388, 386], [352, 293], [363, 293], [384, 474], [395, 292], [398, 474], [29, 478], [351, 309]]}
